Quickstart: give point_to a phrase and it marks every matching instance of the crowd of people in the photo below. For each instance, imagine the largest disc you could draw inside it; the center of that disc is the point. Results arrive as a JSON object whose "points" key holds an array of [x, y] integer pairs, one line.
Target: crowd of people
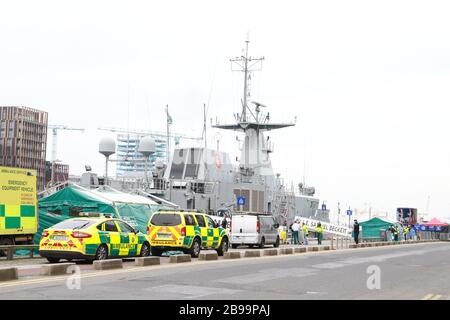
{"points": [[407, 232], [393, 233], [300, 233]]}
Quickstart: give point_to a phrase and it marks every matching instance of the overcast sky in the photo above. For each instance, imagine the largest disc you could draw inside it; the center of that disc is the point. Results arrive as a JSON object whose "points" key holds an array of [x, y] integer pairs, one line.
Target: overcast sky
{"points": [[369, 82]]}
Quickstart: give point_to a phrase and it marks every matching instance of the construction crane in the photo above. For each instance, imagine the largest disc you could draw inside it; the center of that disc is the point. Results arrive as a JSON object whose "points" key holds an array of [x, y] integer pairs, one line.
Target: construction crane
{"points": [[158, 134], [55, 129]]}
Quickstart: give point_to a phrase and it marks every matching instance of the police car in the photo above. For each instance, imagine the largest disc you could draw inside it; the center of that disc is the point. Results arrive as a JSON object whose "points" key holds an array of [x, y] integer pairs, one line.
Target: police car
{"points": [[187, 231], [92, 239]]}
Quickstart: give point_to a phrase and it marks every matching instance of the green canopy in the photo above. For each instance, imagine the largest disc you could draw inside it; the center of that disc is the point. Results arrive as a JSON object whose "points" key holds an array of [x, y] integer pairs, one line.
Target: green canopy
{"points": [[70, 201], [371, 228]]}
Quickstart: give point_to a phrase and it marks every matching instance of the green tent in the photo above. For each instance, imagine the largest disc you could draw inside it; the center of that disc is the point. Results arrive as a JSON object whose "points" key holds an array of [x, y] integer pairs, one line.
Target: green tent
{"points": [[70, 201], [371, 228]]}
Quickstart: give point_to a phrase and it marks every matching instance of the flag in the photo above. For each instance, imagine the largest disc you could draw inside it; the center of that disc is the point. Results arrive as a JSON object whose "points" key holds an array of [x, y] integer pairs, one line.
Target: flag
{"points": [[169, 118]]}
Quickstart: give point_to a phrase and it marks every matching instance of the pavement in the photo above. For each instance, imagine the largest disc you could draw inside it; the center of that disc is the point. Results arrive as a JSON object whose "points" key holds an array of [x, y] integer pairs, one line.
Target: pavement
{"points": [[415, 271]]}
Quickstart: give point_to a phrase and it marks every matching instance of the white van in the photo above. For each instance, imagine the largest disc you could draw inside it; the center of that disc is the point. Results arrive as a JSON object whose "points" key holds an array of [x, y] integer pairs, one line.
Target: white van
{"points": [[254, 229]]}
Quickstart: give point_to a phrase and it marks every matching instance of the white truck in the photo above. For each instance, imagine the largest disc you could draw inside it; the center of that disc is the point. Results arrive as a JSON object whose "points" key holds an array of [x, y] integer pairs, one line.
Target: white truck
{"points": [[254, 229]]}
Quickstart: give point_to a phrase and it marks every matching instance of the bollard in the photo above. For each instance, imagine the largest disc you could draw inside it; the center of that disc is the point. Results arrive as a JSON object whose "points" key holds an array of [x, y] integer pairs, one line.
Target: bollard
{"points": [[180, 258], [286, 250], [55, 269], [146, 261], [232, 255], [7, 274], [252, 253], [299, 249], [108, 264], [332, 238], [271, 252], [208, 255]]}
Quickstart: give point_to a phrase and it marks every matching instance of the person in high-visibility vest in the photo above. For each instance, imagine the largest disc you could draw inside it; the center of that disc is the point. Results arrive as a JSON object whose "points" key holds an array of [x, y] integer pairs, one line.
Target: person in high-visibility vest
{"points": [[395, 233], [319, 231], [405, 232], [305, 233]]}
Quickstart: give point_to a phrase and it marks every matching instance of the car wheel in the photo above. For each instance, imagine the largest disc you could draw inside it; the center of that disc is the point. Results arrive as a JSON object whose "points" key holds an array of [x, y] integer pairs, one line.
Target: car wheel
{"points": [[155, 251], [195, 248], [263, 243], [277, 243], [145, 250], [102, 253], [250, 246], [234, 246], [223, 247], [53, 260]]}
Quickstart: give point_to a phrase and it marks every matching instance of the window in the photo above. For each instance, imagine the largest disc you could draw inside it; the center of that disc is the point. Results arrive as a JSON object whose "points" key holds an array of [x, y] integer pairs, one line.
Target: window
{"points": [[189, 219], [266, 222], [166, 219], [73, 224], [125, 227], [211, 223], [200, 220], [111, 226]]}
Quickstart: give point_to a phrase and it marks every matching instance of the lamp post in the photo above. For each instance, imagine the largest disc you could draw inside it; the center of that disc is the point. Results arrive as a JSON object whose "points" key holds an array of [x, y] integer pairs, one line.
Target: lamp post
{"points": [[339, 212]]}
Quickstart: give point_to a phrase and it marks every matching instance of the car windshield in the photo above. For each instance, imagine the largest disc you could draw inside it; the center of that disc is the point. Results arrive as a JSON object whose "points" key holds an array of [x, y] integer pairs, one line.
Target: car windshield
{"points": [[166, 219], [73, 224]]}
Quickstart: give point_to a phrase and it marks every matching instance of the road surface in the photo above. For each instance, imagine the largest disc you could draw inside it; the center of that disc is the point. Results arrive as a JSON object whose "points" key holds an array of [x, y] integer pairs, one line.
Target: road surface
{"points": [[418, 271]]}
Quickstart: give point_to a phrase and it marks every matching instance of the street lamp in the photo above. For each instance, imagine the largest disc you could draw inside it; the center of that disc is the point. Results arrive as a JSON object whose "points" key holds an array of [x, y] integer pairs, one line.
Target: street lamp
{"points": [[339, 212]]}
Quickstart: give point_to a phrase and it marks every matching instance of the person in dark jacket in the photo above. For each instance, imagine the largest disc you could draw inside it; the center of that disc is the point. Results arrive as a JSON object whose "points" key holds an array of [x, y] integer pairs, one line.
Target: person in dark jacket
{"points": [[356, 231], [224, 222]]}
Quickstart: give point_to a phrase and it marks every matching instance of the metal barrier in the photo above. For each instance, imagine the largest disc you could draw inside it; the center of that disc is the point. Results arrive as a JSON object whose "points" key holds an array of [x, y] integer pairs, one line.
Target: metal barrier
{"points": [[340, 242], [10, 250], [444, 236]]}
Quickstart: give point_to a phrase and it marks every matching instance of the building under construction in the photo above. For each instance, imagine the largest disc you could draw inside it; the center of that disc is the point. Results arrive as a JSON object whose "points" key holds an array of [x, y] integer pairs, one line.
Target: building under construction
{"points": [[23, 140], [130, 162]]}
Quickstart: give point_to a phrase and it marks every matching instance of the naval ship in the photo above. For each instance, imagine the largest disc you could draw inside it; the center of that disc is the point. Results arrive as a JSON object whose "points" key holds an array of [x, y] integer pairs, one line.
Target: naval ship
{"points": [[205, 179]]}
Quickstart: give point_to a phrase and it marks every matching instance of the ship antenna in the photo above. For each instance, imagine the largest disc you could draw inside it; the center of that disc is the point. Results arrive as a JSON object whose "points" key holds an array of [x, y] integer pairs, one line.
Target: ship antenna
{"points": [[245, 65]]}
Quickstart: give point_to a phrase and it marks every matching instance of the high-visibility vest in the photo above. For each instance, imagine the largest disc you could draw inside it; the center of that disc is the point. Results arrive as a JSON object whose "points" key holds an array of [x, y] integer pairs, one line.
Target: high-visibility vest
{"points": [[305, 230], [395, 231], [319, 229]]}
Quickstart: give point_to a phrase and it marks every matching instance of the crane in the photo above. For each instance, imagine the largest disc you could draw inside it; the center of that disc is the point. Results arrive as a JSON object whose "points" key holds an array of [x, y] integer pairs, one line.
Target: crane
{"points": [[158, 134], [55, 128]]}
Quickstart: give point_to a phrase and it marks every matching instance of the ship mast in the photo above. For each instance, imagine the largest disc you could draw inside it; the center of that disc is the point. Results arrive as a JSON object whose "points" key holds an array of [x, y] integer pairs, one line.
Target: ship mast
{"points": [[246, 65], [255, 147]]}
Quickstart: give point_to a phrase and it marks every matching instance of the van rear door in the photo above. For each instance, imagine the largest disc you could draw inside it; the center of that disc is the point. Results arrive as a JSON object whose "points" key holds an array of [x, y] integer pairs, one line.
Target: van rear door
{"points": [[243, 229]]}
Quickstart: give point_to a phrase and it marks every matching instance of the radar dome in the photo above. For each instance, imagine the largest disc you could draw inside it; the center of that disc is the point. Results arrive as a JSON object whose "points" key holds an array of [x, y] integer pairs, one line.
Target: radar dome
{"points": [[107, 146], [147, 146]]}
